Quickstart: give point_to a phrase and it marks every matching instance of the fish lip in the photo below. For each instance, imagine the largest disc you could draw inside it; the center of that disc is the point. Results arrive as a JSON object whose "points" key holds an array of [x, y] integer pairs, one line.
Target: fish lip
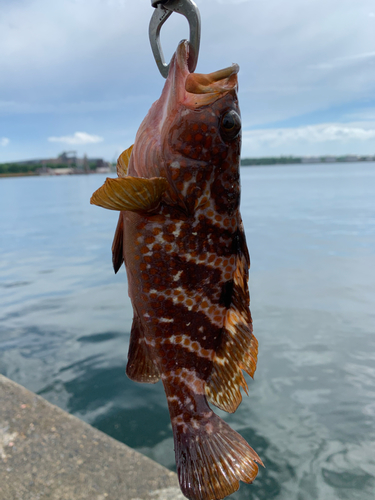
{"points": [[197, 89]]}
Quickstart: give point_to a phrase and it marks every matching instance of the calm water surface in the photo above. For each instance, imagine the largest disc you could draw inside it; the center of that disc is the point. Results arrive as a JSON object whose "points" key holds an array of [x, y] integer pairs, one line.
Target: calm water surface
{"points": [[65, 320]]}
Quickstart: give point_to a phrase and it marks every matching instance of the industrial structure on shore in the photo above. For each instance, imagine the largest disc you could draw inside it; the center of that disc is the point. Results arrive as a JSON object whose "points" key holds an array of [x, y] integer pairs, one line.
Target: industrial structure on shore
{"points": [[66, 163]]}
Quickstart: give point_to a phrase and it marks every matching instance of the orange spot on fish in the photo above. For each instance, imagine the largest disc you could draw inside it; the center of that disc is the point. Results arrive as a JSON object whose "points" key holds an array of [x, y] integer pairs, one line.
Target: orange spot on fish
{"points": [[168, 237], [149, 240], [175, 173], [208, 142]]}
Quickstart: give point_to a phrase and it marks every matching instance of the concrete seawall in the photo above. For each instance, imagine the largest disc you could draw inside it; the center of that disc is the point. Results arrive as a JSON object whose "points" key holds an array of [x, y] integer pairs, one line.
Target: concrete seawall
{"points": [[47, 454]]}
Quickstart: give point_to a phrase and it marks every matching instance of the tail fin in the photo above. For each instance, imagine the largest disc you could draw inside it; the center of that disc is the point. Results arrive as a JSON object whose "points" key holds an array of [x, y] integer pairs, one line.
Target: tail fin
{"points": [[212, 458]]}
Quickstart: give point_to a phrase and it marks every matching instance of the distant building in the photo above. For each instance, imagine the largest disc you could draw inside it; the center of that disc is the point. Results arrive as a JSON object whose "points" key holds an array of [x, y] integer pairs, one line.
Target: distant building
{"points": [[351, 158], [310, 159]]}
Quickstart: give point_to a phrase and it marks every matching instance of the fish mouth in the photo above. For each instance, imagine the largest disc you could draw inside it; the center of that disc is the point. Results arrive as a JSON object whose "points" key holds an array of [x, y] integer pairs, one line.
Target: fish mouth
{"points": [[200, 89]]}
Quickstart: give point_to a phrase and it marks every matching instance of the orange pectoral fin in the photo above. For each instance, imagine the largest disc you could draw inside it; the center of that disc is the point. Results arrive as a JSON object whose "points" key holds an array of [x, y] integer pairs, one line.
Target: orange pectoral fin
{"points": [[134, 194], [123, 162]]}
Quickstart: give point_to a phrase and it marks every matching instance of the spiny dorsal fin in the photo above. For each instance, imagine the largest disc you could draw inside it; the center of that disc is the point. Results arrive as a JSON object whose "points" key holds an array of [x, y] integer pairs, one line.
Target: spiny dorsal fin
{"points": [[118, 244], [134, 194], [123, 162], [238, 350]]}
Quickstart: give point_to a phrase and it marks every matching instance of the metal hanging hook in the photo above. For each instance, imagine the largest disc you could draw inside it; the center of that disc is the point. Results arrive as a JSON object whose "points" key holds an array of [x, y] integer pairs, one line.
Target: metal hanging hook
{"points": [[163, 9]]}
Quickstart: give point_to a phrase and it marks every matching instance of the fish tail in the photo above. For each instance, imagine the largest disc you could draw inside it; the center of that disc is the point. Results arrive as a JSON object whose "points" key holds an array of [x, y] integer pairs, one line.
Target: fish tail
{"points": [[212, 458]]}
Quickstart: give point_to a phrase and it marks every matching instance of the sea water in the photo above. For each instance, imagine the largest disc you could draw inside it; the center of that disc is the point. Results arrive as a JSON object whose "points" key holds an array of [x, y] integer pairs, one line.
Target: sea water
{"points": [[65, 319]]}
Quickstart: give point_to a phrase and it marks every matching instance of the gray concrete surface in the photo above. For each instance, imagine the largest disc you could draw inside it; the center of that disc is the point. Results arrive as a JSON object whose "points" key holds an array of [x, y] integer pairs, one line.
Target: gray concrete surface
{"points": [[47, 454]]}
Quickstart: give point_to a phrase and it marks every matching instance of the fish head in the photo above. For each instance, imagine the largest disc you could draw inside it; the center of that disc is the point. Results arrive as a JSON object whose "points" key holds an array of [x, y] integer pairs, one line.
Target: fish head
{"points": [[201, 118], [194, 125]]}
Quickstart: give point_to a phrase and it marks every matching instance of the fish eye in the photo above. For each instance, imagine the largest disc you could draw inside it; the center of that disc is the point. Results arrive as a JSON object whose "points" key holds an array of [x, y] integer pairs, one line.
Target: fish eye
{"points": [[230, 125]]}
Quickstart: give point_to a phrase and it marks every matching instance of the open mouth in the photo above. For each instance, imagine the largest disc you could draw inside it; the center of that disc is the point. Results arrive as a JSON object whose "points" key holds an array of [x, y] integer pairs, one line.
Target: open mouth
{"points": [[203, 89]]}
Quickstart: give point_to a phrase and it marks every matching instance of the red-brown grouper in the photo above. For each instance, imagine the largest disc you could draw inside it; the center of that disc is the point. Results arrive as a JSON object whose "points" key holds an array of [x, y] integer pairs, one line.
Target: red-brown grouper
{"points": [[181, 236]]}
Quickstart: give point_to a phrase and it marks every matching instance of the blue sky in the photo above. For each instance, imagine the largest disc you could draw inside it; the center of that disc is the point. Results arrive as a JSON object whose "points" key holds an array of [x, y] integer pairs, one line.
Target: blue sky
{"points": [[80, 75]]}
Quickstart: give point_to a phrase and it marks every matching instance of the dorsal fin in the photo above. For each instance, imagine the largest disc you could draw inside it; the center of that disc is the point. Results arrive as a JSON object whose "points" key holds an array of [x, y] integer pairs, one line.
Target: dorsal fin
{"points": [[239, 348], [140, 367], [123, 162], [118, 244], [134, 194]]}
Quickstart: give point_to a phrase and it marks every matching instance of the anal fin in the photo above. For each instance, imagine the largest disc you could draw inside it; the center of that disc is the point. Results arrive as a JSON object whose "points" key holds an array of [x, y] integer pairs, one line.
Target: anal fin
{"points": [[117, 245], [140, 367]]}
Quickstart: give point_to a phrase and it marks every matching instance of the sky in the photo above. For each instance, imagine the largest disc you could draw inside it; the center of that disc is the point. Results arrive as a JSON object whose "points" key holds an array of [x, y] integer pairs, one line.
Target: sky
{"points": [[80, 75]]}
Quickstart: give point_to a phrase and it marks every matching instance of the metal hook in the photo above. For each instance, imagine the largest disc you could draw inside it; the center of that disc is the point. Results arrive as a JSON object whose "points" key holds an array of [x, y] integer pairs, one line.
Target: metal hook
{"points": [[163, 9]]}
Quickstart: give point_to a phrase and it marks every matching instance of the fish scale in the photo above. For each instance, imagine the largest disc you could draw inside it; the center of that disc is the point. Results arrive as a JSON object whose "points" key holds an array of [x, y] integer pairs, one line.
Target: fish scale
{"points": [[181, 237]]}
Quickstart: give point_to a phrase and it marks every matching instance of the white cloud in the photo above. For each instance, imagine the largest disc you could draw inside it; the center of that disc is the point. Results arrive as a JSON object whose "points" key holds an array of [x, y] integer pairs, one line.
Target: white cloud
{"points": [[319, 139], [4, 141], [347, 60], [77, 138], [367, 114], [311, 133]]}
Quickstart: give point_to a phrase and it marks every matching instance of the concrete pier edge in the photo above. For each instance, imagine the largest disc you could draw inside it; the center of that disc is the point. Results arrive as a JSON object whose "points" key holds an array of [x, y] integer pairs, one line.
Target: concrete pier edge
{"points": [[47, 454]]}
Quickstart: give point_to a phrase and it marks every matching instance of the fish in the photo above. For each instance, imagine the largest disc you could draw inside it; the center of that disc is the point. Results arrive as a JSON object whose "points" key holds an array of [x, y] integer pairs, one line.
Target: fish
{"points": [[181, 237]]}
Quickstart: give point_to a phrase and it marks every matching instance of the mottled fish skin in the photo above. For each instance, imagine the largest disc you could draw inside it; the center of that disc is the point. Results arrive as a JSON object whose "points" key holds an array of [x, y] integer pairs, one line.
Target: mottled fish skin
{"points": [[187, 264]]}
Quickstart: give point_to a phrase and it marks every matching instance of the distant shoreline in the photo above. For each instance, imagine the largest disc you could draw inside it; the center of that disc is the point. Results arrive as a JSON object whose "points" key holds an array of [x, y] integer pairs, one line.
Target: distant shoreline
{"points": [[20, 169], [305, 160], [34, 174]]}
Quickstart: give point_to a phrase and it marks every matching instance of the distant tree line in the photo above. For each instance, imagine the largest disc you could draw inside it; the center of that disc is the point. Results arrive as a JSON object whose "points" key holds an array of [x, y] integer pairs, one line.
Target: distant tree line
{"points": [[284, 160], [34, 168], [287, 160], [16, 168]]}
